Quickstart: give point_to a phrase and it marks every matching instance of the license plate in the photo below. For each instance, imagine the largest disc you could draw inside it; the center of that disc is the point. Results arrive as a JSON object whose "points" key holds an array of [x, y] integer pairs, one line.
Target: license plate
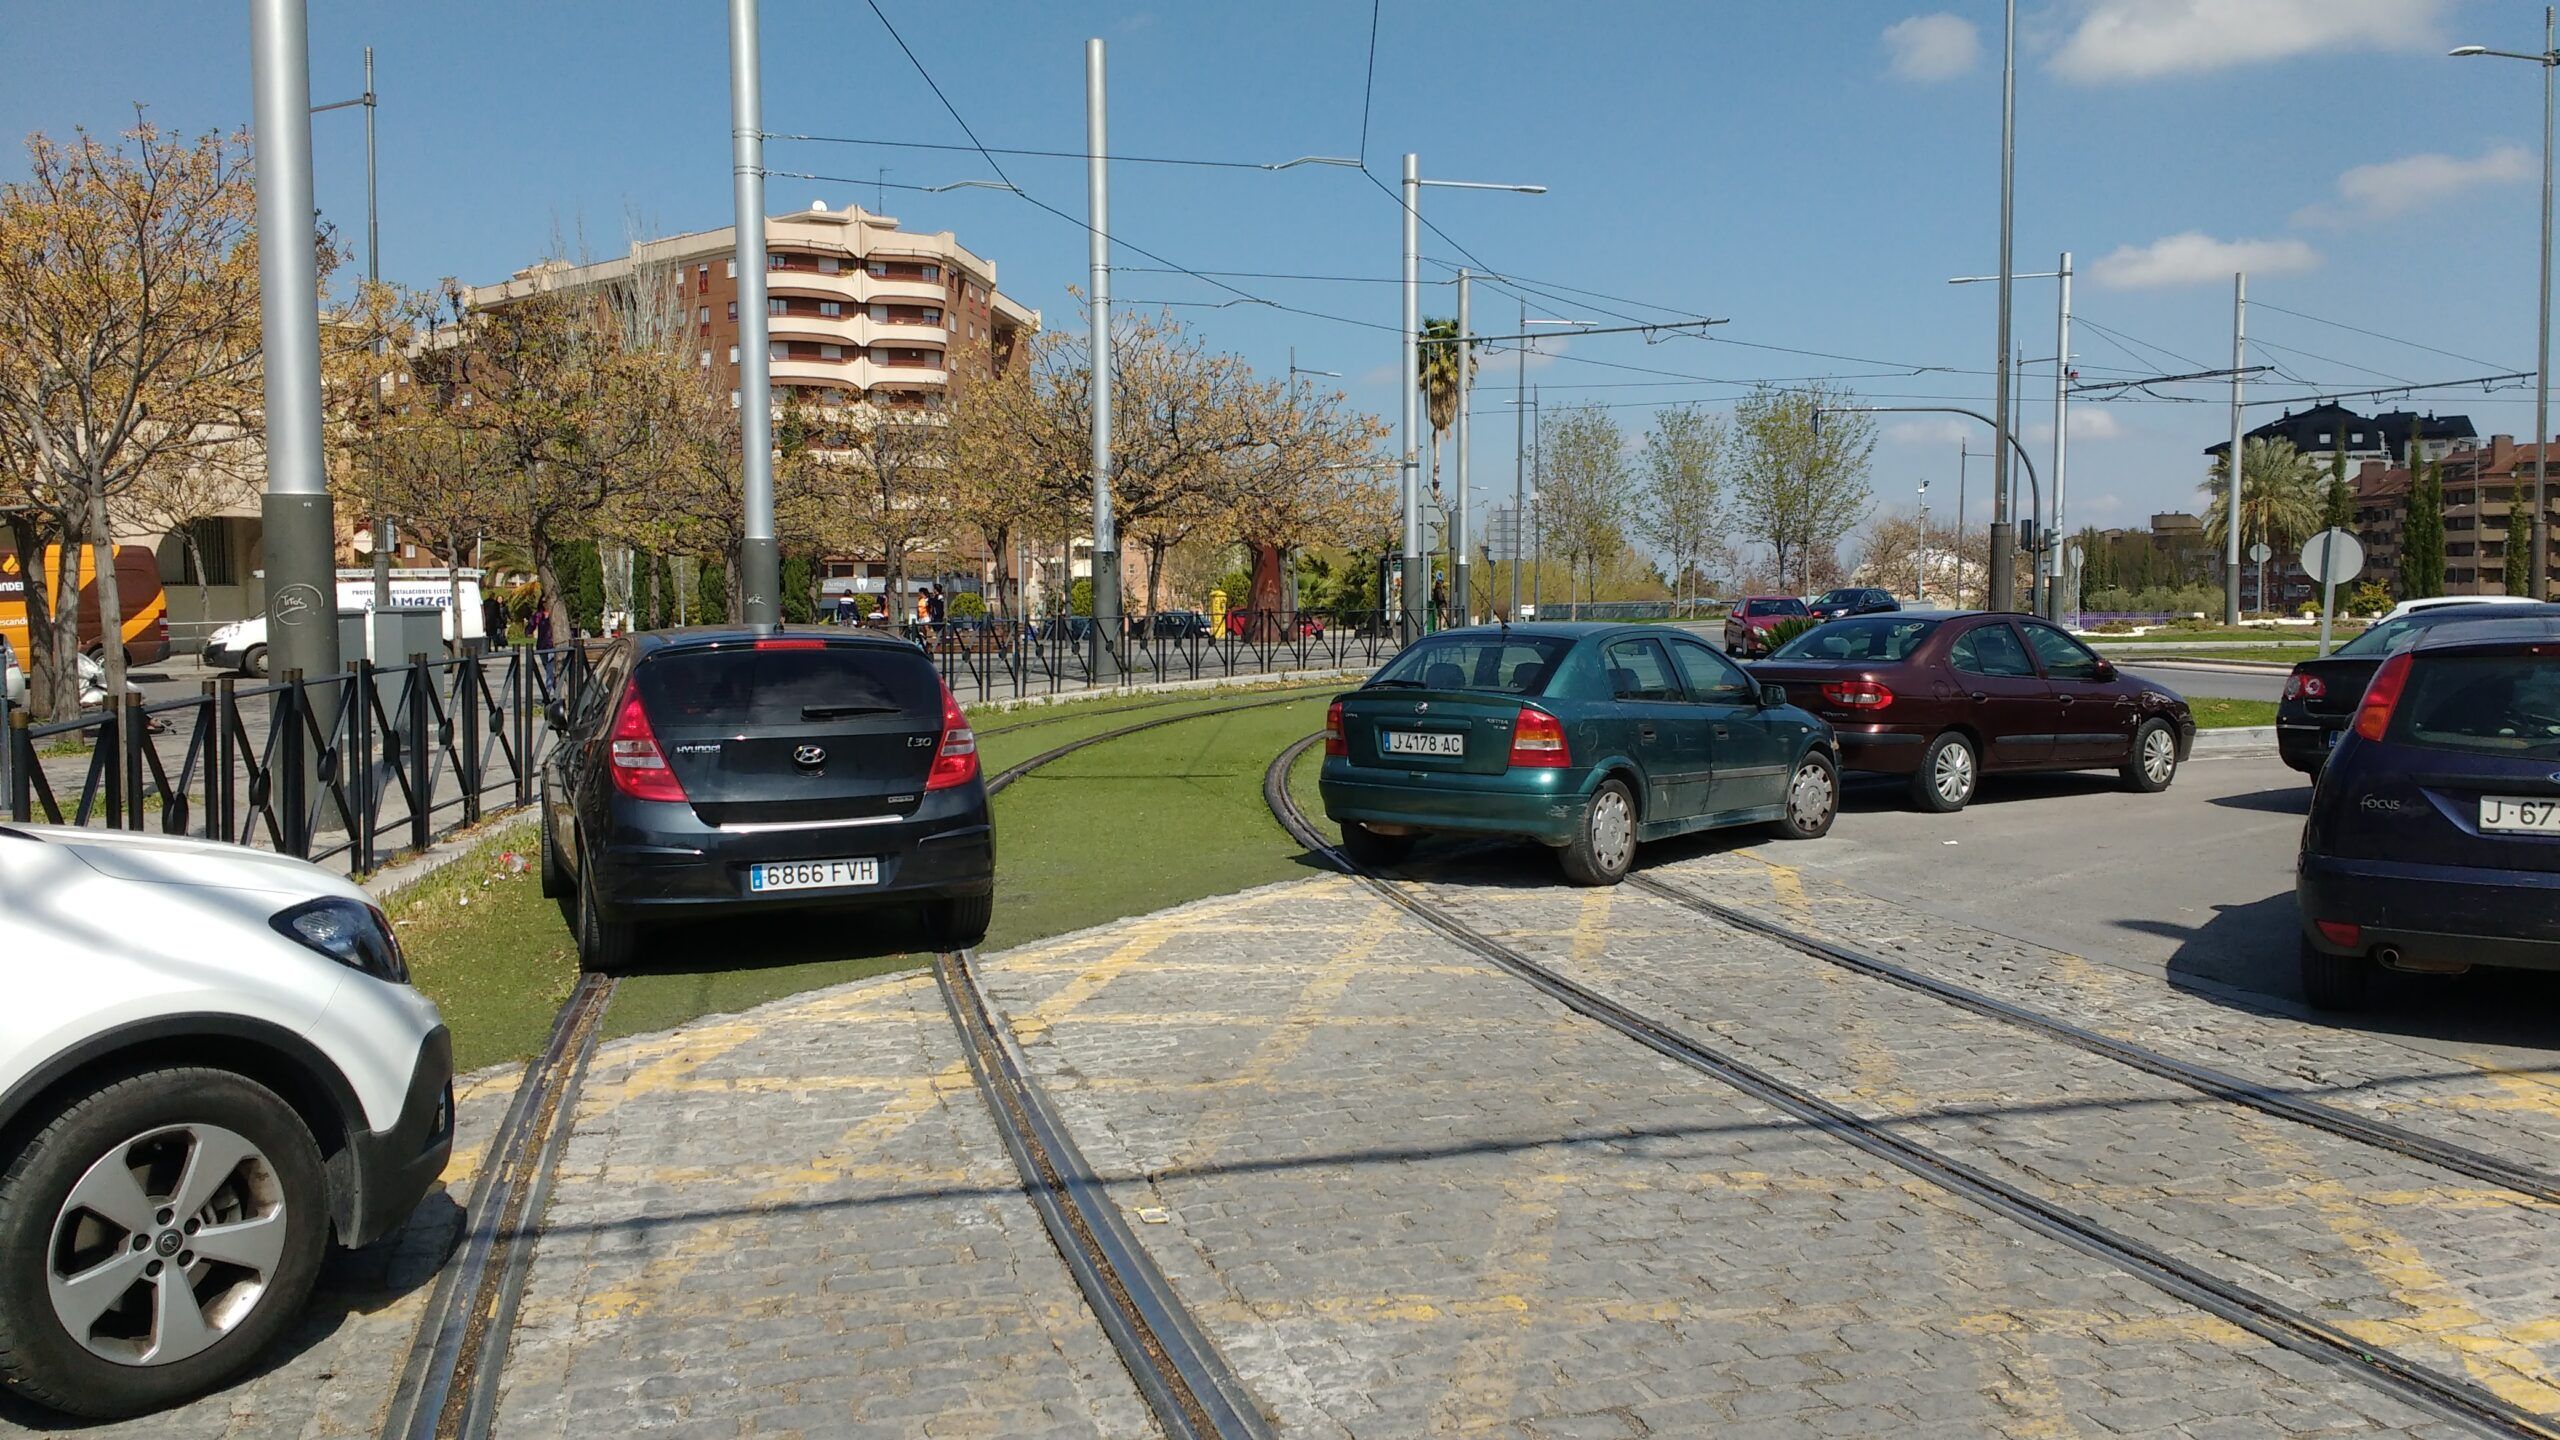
{"points": [[1425, 742], [779, 875], [2332, 738], [2520, 816]]}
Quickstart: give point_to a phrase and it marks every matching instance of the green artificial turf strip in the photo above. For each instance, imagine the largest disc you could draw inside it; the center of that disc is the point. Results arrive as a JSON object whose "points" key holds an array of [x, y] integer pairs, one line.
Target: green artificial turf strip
{"points": [[488, 949], [2218, 714]]}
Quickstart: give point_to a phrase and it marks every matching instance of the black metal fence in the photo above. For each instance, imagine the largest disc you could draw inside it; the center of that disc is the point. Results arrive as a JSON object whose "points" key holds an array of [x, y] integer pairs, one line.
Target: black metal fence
{"points": [[354, 769]]}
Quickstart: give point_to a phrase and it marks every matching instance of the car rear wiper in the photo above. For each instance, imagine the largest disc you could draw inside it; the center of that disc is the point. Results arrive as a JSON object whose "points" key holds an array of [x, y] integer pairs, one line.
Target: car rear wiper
{"points": [[839, 712], [1400, 683]]}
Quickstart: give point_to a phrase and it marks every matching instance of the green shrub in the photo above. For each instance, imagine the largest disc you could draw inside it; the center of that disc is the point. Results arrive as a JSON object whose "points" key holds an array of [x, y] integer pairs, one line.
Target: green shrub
{"points": [[967, 605], [2370, 598], [1786, 630], [1080, 597]]}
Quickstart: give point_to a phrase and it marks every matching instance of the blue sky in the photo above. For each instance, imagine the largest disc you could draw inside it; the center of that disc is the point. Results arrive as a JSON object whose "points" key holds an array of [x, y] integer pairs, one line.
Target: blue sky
{"points": [[1813, 173]]}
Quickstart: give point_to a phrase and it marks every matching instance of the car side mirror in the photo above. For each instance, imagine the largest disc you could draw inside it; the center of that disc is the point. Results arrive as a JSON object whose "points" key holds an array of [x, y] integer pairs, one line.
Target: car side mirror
{"points": [[2106, 671], [556, 713], [1772, 696]]}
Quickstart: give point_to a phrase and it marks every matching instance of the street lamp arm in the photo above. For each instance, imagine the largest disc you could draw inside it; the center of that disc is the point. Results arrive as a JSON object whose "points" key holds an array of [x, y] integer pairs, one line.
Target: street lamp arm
{"points": [[2035, 489], [1482, 185], [2467, 51]]}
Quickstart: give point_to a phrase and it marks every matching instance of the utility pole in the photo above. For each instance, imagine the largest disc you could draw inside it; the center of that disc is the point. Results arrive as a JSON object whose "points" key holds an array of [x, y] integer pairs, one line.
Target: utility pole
{"points": [[1105, 660], [759, 553], [302, 590], [2061, 439], [1519, 451], [373, 276], [2003, 594], [1537, 479], [2231, 504], [1458, 603], [1416, 587], [1964, 457], [1920, 575], [2540, 586]]}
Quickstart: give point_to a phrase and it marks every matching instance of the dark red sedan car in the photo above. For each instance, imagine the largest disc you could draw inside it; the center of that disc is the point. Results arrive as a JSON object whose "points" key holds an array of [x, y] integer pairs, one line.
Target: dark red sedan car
{"points": [[1949, 697], [1747, 625]]}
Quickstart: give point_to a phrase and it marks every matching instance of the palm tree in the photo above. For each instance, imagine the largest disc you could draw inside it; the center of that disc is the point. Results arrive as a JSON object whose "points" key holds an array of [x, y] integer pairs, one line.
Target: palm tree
{"points": [[2280, 499], [1440, 382]]}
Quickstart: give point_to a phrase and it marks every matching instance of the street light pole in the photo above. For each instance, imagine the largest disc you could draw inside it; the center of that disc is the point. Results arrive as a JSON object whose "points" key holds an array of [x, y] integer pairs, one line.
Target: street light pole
{"points": [[759, 553], [1458, 567], [1537, 481], [1920, 577], [373, 276], [1106, 543], [2548, 60], [1519, 450], [2003, 594], [1409, 474], [2231, 501], [2061, 439]]}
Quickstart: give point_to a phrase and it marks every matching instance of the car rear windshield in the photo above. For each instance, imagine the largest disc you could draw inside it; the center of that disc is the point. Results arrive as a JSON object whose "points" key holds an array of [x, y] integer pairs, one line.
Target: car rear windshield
{"points": [[1841, 597], [1879, 639], [2380, 639], [2501, 704], [747, 688], [1773, 607], [1510, 664]]}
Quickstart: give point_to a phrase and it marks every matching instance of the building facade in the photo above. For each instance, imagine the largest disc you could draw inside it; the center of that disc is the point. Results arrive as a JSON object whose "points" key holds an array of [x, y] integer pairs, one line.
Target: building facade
{"points": [[2483, 485]]}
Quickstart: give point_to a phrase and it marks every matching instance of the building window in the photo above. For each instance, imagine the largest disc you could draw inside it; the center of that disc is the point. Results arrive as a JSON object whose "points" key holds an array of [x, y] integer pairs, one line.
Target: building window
{"points": [[733, 312], [775, 262], [702, 280], [2324, 437], [830, 352], [879, 267], [933, 272], [827, 265], [702, 315], [781, 349], [831, 307], [733, 269], [706, 359], [733, 399], [733, 354], [777, 307]]}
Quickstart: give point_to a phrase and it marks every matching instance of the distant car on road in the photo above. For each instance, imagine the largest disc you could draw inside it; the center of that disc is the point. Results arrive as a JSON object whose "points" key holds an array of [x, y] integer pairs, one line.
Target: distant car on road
{"points": [[1172, 625], [211, 1067], [1748, 623], [1947, 697], [2320, 696], [718, 772], [1587, 738], [1854, 600], [2434, 838]]}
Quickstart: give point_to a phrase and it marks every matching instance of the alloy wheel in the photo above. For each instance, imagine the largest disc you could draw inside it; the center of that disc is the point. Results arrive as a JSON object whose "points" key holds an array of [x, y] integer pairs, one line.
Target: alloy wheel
{"points": [[2159, 756], [1952, 777], [166, 1244], [1613, 829]]}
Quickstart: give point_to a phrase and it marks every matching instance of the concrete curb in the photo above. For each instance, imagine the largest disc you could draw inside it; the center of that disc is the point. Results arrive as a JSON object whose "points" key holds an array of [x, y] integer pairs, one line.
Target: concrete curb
{"points": [[2229, 667], [2236, 740]]}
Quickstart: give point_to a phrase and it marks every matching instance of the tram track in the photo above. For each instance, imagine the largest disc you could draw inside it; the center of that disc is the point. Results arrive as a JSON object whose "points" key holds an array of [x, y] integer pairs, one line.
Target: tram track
{"points": [[2409, 1380], [449, 1379]]}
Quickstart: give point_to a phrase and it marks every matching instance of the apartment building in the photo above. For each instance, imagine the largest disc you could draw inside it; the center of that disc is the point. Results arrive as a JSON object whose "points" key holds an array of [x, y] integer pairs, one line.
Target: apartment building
{"points": [[2482, 486]]}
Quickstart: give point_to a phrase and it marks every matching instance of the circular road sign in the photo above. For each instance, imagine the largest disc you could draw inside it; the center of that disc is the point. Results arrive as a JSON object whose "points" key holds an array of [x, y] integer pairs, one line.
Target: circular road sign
{"points": [[2332, 557], [2259, 554]]}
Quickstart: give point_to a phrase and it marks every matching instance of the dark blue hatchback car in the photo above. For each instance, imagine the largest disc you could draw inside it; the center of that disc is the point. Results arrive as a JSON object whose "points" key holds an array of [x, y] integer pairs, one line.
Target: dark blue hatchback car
{"points": [[2434, 838]]}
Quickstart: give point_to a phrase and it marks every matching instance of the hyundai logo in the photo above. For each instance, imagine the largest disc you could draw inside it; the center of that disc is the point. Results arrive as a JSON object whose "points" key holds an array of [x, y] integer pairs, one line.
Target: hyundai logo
{"points": [[809, 755]]}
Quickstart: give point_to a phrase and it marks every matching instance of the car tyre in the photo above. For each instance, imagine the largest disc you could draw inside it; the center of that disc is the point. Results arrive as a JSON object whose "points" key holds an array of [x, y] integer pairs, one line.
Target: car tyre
{"points": [[171, 1118], [2155, 758], [1369, 848], [1949, 774], [1604, 844], [2334, 982], [254, 662], [1813, 799], [605, 946], [555, 879], [959, 923]]}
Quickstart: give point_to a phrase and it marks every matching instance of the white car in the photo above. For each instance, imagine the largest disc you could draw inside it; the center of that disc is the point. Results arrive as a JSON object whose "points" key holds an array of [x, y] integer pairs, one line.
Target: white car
{"points": [[211, 1066], [2438, 602]]}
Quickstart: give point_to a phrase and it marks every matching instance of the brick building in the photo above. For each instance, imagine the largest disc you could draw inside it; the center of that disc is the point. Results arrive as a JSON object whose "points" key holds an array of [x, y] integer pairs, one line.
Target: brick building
{"points": [[2482, 485]]}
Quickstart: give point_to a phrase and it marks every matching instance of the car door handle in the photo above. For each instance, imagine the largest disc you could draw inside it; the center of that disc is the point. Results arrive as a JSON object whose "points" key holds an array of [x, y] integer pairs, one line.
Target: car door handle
{"points": [[2065, 697], [1722, 733], [1978, 696], [1644, 732]]}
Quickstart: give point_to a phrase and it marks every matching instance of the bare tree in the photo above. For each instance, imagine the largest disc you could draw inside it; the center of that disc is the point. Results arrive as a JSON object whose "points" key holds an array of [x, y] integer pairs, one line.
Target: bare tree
{"points": [[1589, 494], [1684, 461]]}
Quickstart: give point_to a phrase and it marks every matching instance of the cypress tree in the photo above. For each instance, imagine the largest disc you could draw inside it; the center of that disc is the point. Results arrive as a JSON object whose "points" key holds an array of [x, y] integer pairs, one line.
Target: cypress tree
{"points": [[2520, 544], [2340, 501], [2422, 539]]}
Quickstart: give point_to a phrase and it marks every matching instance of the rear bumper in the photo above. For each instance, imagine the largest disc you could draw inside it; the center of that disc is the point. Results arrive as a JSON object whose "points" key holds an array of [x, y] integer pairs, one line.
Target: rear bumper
{"points": [[2304, 738], [662, 862], [390, 1171], [1880, 749], [2434, 914], [1545, 806]]}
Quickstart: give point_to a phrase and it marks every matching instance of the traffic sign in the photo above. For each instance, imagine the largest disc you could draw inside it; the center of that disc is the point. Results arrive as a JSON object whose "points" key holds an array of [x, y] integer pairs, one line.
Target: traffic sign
{"points": [[2332, 557], [2259, 554]]}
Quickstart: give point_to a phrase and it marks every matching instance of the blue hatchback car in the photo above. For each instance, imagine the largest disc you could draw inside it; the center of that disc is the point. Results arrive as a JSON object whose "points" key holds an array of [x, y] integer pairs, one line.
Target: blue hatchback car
{"points": [[2434, 838]]}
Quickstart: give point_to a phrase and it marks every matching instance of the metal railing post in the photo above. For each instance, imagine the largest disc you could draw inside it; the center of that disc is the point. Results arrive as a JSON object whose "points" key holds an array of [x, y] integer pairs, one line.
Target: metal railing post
{"points": [[466, 678], [290, 788], [421, 794], [22, 759], [364, 776], [222, 805]]}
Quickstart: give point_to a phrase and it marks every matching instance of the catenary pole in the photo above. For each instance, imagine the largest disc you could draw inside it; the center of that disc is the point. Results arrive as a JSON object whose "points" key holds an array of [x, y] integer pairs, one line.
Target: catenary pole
{"points": [[2539, 585], [1416, 586], [1519, 452], [1537, 503], [2231, 493], [1459, 612], [300, 531], [759, 554], [1105, 660], [373, 275], [2003, 594], [2053, 590]]}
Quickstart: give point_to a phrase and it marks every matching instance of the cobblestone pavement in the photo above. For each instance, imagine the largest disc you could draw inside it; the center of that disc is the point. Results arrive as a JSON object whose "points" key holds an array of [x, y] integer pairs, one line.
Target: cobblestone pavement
{"points": [[334, 1373], [800, 1221], [1407, 1195], [2444, 1270]]}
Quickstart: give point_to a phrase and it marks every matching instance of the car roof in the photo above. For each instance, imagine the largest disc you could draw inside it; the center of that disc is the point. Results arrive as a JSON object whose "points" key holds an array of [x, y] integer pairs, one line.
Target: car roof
{"points": [[2542, 622]]}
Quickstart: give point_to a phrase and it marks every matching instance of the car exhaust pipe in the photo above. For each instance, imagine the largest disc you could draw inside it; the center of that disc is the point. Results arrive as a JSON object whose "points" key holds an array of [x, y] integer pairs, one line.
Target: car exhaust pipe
{"points": [[2392, 958], [2389, 955]]}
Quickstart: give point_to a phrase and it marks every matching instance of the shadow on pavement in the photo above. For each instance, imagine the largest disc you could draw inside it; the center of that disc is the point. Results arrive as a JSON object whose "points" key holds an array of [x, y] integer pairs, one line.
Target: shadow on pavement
{"points": [[2244, 958], [2288, 800], [770, 942], [1871, 794]]}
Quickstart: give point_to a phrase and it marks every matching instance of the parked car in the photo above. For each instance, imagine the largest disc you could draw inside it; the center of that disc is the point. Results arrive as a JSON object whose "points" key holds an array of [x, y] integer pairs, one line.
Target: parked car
{"points": [[1748, 624], [1170, 625], [2320, 696], [1586, 738], [1946, 697], [211, 1067], [1855, 600], [716, 771], [2437, 602], [2433, 843]]}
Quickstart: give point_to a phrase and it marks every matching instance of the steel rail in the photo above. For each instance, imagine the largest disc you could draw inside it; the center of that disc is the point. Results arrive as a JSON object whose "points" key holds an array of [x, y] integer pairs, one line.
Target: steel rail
{"points": [[2384, 1370]]}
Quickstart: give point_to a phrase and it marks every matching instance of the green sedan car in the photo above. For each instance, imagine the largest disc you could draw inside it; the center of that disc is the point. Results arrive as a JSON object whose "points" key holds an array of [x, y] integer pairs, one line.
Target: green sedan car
{"points": [[1584, 738]]}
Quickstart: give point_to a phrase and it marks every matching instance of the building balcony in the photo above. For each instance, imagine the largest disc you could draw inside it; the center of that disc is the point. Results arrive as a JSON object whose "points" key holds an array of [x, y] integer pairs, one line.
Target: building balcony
{"points": [[877, 332], [825, 329], [857, 374], [893, 287]]}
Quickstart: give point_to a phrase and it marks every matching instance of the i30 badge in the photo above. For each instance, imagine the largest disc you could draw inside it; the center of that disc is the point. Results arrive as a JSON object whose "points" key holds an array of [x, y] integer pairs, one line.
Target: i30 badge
{"points": [[812, 755]]}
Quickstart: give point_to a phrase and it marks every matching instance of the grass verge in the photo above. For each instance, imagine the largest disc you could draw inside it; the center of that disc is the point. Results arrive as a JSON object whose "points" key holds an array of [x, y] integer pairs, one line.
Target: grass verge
{"points": [[488, 949], [2217, 714]]}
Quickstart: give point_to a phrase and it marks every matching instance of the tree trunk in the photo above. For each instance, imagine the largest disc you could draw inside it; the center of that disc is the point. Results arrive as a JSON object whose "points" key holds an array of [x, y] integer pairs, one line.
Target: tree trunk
{"points": [[546, 580], [1265, 598], [64, 661], [44, 697], [1156, 549], [110, 597]]}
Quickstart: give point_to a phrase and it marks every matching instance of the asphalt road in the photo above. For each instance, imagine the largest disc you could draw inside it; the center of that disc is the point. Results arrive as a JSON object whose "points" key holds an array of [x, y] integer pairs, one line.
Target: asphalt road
{"points": [[2194, 885], [2214, 681]]}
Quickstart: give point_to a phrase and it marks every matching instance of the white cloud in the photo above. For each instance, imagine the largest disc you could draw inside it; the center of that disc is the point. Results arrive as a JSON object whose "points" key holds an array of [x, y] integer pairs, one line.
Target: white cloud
{"points": [[2415, 182], [1929, 48], [2147, 39], [2088, 422], [1929, 432], [2195, 257]]}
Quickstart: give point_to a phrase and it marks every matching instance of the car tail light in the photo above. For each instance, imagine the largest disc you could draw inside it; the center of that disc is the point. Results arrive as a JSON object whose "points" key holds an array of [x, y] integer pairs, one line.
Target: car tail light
{"points": [[639, 766], [1858, 694], [2341, 933], [2299, 686], [2381, 697], [956, 762], [1537, 741], [1333, 742]]}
